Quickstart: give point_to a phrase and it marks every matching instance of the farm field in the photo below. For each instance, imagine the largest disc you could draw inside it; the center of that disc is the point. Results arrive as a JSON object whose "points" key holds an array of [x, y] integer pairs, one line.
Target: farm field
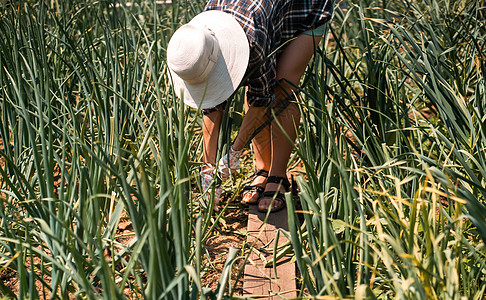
{"points": [[99, 160]]}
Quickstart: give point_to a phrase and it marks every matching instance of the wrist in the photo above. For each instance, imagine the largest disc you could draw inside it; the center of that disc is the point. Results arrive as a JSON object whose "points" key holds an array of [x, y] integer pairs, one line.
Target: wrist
{"points": [[235, 149]]}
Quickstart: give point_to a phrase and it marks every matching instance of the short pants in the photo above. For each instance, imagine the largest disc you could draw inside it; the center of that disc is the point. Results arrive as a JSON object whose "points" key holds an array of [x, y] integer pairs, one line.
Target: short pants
{"points": [[319, 31]]}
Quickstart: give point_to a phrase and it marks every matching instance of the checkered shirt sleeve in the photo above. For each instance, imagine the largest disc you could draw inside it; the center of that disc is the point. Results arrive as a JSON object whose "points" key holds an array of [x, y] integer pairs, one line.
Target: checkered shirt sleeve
{"points": [[268, 24]]}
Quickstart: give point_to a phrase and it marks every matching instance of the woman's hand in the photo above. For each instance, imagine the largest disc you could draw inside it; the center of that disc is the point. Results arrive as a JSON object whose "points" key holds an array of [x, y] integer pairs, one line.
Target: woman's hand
{"points": [[207, 182], [229, 163]]}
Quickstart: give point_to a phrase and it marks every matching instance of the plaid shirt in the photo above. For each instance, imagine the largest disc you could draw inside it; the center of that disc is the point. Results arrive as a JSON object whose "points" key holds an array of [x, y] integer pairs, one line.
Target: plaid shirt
{"points": [[268, 24]]}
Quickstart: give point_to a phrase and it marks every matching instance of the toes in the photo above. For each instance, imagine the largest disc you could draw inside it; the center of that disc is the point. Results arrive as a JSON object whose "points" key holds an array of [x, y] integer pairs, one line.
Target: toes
{"points": [[249, 198], [264, 203]]}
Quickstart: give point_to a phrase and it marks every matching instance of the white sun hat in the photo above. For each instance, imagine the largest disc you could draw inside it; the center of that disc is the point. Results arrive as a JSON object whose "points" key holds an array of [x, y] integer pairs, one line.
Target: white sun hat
{"points": [[208, 58]]}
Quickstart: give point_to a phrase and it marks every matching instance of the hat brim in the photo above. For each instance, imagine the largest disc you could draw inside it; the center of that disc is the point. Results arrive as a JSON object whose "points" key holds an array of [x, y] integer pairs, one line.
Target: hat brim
{"points": [[229, 69]]}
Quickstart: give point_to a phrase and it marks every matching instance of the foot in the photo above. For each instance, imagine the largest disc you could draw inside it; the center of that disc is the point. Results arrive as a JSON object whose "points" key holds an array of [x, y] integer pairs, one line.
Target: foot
{"points": [[251, 193], [274, 194]]}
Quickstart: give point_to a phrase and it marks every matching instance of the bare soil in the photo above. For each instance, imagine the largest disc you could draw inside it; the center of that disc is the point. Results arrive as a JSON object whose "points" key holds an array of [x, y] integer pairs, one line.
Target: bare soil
{"points": [[231, 235]]}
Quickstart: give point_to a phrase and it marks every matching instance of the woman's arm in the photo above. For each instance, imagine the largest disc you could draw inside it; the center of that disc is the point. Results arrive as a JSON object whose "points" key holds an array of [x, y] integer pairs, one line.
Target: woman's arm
{"points": [[290, 66]]}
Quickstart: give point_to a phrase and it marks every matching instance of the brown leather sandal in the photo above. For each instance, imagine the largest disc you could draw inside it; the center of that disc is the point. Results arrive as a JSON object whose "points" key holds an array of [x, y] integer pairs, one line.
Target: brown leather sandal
{"points": [[277, 196], [254, 188]]}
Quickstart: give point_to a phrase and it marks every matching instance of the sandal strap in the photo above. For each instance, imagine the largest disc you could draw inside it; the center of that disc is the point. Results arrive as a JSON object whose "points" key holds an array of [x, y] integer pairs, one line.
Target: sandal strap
{"points": [[270, 194], [253, 188], [260, 172], [281, 180]]}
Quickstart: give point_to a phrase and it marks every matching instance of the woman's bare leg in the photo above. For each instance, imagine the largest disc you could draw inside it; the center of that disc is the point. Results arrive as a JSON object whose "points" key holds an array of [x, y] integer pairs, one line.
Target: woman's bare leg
{"points": [[262, 149], [261, 146], [290, 66], [211, 125]]}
